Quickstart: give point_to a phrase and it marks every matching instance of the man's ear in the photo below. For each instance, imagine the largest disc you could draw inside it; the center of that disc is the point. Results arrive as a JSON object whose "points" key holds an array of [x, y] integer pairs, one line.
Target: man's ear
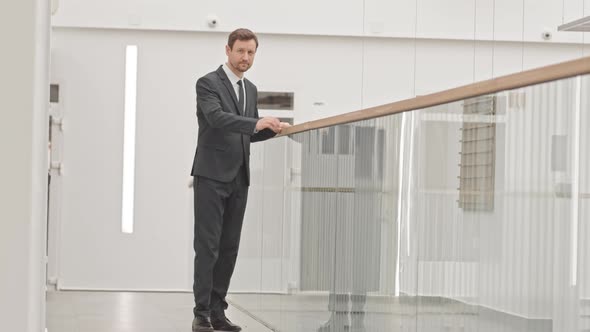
{"points": [[227, 50]]}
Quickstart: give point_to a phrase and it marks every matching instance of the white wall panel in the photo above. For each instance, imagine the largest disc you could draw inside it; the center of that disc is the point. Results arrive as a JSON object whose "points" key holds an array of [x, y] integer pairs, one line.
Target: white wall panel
{"points": [[452, 19], [501, 20], [484, 60], [508, 58], [440, 67], [390, 18], [573, 10], [306, 16], [108, 13], [484, 19], [388, 71], [540, 54], [508, 20]]}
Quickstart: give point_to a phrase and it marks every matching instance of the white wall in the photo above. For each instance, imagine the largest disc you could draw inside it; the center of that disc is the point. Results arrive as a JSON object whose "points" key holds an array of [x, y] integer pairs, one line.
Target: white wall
{"points": [[502, 20], [24, 33]]}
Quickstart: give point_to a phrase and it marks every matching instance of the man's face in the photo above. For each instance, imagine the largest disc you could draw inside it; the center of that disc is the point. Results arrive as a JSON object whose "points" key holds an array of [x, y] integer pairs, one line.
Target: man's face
{"points": [[241, 56]]}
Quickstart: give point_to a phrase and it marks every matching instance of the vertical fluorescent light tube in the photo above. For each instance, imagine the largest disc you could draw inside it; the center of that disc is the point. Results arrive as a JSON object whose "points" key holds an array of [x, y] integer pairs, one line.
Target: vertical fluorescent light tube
{"points": [[129, 139]]}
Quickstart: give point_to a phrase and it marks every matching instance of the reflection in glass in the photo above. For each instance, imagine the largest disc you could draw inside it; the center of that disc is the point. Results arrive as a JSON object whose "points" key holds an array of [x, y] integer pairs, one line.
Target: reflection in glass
{"points": [[391, 238]]}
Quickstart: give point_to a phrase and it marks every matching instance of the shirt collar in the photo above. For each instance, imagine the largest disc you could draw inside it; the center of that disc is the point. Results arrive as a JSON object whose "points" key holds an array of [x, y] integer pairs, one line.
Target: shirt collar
{"points": [[230, 74]]}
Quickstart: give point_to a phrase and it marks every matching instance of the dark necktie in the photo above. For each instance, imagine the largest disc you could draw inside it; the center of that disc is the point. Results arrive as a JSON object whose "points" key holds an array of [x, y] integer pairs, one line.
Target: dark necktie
{"points": [[241, 98]]}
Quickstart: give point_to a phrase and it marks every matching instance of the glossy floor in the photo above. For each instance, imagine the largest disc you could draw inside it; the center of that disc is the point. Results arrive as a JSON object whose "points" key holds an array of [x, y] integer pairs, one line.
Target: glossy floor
{"points": [[129, 312], [171, 312]]}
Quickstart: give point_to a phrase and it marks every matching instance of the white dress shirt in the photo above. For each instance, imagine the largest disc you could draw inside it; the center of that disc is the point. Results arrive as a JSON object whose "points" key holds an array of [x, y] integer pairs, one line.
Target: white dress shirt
{"points": [[234, 82]]}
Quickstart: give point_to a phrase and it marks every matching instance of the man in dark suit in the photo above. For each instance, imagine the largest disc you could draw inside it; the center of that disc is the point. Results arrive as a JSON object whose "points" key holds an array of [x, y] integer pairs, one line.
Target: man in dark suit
{"points": [[227, 113]]}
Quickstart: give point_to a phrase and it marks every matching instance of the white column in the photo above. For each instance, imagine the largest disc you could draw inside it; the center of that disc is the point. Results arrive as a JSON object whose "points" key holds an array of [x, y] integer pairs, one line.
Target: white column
{"points": [[24, 36]]}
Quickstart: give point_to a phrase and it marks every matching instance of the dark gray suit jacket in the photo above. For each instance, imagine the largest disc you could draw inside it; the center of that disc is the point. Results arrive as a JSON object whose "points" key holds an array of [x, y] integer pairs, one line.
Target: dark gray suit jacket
{"points": [[224, 134]]}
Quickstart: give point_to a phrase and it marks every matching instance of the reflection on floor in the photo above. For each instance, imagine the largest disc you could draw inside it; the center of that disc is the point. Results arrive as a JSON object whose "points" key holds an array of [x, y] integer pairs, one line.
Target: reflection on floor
{"points": [[129, 312], [309, 313], [171, 312]]}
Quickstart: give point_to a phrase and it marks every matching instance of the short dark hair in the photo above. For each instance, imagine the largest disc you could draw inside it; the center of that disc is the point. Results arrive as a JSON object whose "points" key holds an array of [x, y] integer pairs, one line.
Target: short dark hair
{"points": [[241, 34]]}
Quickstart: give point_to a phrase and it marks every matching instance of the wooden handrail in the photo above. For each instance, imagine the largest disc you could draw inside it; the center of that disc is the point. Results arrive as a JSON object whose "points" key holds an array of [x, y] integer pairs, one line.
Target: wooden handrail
{"points": [[513, 81]]}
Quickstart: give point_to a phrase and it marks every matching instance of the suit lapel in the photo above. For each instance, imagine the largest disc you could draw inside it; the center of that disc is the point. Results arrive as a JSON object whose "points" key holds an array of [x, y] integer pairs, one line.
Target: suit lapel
{"points": [[229, 87], [249, 97]]}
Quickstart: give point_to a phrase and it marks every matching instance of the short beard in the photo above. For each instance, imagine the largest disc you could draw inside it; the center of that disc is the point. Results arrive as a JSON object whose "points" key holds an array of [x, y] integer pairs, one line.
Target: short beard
{"points": [[243, 71]]}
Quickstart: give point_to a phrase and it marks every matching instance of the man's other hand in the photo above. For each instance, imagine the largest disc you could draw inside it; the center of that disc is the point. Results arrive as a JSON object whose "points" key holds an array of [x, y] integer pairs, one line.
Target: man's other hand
{"points": [[269, 122]]}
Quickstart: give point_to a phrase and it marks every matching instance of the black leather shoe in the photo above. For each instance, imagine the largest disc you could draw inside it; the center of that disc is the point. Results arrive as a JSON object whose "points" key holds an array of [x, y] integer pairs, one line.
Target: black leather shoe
{"points": [[224, 324], [202, 324]]}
